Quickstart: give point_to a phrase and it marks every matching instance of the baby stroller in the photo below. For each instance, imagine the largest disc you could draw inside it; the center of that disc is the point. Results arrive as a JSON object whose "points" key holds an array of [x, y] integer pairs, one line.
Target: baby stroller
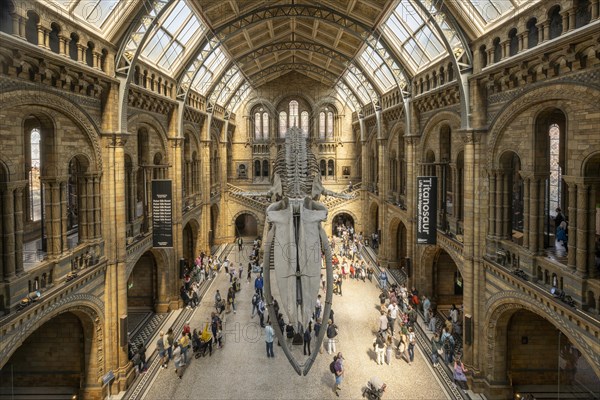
{"points": [[202, 343], [374, 389]]}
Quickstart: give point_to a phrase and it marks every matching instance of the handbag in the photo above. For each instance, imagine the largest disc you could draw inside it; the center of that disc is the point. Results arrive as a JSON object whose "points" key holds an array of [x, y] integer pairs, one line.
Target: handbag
{"points": [[440, 352]]}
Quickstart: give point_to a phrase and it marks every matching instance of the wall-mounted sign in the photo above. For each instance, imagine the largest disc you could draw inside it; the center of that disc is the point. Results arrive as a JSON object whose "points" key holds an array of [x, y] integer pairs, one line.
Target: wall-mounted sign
{"points": [[426, 209], [162, 213]]}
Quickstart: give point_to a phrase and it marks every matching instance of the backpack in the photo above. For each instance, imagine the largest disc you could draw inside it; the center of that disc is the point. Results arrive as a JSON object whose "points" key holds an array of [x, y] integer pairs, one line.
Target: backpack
{"points": [[218, 297], [255, 300], [332, 365]]}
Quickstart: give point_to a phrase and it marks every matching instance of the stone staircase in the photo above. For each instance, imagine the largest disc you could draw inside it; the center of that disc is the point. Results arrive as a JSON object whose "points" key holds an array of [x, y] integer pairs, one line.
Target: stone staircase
{"points": [[255, 202], [144, 331]]}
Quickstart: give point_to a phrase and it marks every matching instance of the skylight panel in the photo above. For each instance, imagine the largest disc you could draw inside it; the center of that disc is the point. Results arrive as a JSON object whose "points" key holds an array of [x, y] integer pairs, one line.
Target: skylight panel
{"points": [[212, 68], [358, 87], [170, 40], [95, 12], [377, 68], [491, 9], [429, 42]]}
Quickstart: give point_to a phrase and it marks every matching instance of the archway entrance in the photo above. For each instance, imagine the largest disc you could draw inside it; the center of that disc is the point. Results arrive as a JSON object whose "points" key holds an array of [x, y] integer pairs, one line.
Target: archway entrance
{"points": [[533, 355], [447, 281], [62, 349], [142, 286], [340, 222], [246, 225], [214, 215], [190, 234], [398, 246]]}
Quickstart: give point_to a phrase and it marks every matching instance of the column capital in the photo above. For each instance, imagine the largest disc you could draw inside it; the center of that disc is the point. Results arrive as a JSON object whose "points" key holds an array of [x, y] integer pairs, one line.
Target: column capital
{"points": [[176, 142], [471, 136], [116, 139], [412, 140]]}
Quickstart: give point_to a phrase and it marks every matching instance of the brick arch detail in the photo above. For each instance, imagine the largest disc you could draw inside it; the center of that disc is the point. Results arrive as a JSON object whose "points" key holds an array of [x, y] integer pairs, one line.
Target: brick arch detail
{"points": [[505, 302], [140, 119], [79, 303], [432, 126], [543, 96], [429, 256], [158, 254], [43, 98]]}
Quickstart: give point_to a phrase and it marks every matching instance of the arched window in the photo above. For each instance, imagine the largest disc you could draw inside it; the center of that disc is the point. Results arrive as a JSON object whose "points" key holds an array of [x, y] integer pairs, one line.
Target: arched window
{"points": [[532, 34], [330, 169], [323, 168], [73, 46], [497, 50], [483, 56], [556, 26], [265, 168], [257, 168], [35, 187], [6, 9], [257, 126], [555, 170], [53, 39], [513, 42], [293, 113], [282, 124], [583, 14], [322, 125], [304, 122], [89, 54], [265, 125], [31, 33], [329, 124]]}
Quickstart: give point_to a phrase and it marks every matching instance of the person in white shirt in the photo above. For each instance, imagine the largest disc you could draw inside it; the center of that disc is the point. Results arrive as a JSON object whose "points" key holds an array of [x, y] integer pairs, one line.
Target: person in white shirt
{"points": [[393, 314], [269, 335]]}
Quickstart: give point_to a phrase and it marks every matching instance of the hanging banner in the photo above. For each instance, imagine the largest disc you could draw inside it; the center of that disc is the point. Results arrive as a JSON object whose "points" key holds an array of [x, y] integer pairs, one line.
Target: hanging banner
{"points": [[426, 209], [162, 213]]}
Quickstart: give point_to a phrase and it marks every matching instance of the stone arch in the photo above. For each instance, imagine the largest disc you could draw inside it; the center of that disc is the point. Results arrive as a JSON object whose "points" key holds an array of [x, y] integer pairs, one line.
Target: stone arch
{"points": [[373, 219], [58, 103], [260, 102], [8, 167], [501, 307], [84, 304], [234, 221], [277, 101], [160, 255], [138, 120], [546, 95], [433, 125], [589, 166], [397, 247]]}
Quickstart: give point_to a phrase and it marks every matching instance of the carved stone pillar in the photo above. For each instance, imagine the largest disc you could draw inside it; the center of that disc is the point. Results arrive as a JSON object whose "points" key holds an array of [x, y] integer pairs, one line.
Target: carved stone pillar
{"points": [[499, 203], [19, 230], [572, 215], [583, 233], [492, 204], [83, 194], [64, 198], [505, 49], [16, 31], [41, 32], [595, 10], [566, 19], [97, 206], [526, 202], [8, 233], [507, 190], [81, 53], [535, 218], [545, 31], [63, 45], [522, 37]]}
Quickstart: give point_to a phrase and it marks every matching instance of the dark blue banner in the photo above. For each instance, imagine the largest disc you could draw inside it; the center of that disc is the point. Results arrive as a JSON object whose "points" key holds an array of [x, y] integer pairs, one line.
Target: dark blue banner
{"points": [[426, 209], [162, 213]]}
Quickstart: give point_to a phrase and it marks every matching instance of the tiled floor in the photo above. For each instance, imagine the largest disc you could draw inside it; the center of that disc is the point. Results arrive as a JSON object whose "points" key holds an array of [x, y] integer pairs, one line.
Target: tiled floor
{"points": [[241, 369]]}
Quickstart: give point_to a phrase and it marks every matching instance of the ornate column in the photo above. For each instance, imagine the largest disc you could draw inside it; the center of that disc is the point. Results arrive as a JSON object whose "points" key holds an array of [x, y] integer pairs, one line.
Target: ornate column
{"points": [[572, 216], [63, 45], [534, 215], [522, 36], [499, 203], [526, 200], [505, 49], [41, 32], [566, 20], [64, 197], [544, 30], [583, 233], [492, 204], [507, 190], [53, 219], [97, 221], [595, 11], [8, 231], [16, 31], [19, 228], [81, 53]]}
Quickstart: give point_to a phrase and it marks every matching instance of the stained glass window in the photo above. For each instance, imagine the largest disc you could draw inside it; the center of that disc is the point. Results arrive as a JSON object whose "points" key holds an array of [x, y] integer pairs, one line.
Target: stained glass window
{"points": [[282, 124], [265, 127], [293, 113], [555, 170], [257, 132], [35, 188], [329, 124], [322, 125], [304, 122]]}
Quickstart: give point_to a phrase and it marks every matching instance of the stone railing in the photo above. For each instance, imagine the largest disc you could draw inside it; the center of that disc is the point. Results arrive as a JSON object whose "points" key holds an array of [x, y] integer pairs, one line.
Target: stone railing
{"points": [[256, 203], [332, 202], [19, 324], [451, 245]]}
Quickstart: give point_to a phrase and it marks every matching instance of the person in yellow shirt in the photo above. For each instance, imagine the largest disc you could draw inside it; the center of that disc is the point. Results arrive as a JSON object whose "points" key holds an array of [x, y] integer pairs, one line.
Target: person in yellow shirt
{"points": [[184, 342]]}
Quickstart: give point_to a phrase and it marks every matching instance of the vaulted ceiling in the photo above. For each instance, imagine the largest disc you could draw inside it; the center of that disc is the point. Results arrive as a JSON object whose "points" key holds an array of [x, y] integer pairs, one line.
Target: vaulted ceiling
{"points": [[223, 49]]}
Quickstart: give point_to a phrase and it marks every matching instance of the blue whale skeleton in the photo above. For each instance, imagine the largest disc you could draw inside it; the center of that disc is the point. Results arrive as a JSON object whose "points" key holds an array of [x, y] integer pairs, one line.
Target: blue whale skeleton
{"points": [[296, 240]]}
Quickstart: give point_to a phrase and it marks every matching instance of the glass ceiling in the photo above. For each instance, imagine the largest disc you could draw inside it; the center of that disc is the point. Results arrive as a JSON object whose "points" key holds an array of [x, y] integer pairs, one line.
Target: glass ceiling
{"points": [[408, 29], [176, 31], [93, 12]]}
